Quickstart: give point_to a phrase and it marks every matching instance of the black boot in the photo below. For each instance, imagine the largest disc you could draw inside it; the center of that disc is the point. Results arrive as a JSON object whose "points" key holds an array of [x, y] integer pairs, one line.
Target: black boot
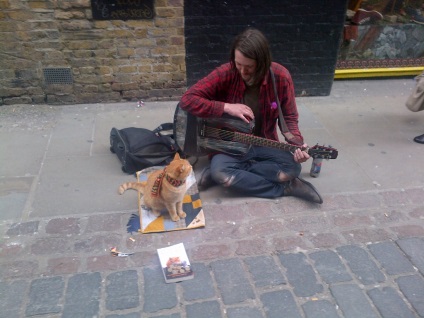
{"points": [[302, 189], [419, 139]]}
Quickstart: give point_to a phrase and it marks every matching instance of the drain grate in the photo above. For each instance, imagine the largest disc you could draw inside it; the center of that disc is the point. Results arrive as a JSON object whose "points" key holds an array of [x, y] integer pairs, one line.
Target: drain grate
{"points": [[58, 76]]}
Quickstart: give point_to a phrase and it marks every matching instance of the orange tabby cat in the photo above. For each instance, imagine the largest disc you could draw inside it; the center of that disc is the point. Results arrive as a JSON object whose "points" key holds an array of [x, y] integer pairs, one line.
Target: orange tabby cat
{"points": [[164, 189]]}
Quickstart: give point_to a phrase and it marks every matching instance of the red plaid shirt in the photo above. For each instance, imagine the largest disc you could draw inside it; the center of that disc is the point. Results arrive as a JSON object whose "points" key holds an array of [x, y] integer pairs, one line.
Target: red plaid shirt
{"points": [[207, 97]]}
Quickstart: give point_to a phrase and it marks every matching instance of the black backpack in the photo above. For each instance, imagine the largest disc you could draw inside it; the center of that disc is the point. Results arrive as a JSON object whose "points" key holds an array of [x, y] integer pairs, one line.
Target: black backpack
{"points": [[140, 148]]}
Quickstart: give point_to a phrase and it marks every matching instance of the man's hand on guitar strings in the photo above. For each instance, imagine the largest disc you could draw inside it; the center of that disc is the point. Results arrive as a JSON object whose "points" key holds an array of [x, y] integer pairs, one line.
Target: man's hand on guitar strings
{"points": [[241, 111], [301, 156]]}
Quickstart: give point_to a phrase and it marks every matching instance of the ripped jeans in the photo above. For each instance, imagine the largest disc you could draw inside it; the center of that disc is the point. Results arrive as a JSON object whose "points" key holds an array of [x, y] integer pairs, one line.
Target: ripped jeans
{"points": [[256, 172]]}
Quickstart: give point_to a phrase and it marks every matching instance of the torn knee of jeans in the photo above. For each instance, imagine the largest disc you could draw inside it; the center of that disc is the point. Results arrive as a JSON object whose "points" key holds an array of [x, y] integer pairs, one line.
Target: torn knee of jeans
{"points": [[228, 181], [282, 177]]}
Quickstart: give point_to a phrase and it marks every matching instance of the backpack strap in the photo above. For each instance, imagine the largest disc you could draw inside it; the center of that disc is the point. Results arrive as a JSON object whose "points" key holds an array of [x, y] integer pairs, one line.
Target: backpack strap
{"points": [[168, 137], [164, 126]]}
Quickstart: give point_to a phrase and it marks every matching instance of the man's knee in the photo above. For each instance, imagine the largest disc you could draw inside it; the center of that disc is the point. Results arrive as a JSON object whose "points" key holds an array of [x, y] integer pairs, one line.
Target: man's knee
{"points": [[222, 178], [282, 177], [287, 176], [227, 183]]}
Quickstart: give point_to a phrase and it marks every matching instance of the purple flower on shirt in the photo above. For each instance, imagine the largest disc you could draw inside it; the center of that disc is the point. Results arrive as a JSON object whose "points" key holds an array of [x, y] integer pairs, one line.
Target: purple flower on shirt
{"points": [[273, 105]]}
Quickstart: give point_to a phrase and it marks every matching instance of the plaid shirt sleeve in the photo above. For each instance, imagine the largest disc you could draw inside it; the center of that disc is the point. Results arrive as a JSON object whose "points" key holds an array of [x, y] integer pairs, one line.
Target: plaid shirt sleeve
{"points": [[207, 97]]}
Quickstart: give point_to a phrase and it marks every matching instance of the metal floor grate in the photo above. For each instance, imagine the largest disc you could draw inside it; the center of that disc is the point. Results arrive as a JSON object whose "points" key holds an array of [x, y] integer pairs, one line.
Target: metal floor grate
{"points": [[58, 76]]}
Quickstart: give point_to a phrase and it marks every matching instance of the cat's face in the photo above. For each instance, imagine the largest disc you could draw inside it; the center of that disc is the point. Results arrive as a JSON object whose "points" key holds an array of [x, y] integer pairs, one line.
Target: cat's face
{"points": [[179, 168]]}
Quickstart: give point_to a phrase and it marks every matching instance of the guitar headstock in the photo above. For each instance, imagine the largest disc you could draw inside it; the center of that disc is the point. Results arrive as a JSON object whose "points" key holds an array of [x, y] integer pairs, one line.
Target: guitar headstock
{"points": [[323, 152]]}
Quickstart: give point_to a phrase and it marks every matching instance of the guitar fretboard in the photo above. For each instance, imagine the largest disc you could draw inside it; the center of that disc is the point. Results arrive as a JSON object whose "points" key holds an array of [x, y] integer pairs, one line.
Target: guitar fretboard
{"points": [[217, 133]]}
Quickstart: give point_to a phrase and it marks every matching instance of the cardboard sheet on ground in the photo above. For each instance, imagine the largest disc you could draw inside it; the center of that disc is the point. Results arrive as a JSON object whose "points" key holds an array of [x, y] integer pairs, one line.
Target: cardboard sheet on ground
{"points": [[147, 222]]}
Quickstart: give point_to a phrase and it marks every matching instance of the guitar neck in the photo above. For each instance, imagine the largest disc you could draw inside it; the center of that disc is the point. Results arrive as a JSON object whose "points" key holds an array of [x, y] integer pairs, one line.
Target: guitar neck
{"points": [[199, 136], [259, 141]]}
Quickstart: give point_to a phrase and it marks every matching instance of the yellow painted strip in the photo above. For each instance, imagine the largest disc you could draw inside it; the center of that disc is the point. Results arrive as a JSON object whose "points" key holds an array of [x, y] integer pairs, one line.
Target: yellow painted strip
{"points": [[378, 72]]}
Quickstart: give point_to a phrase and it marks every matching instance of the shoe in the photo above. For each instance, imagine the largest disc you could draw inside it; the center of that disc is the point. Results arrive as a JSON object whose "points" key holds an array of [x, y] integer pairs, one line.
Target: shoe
{"points": [[205, 181], [304, 190], [419, 139], [362, 17], [415, 15]]}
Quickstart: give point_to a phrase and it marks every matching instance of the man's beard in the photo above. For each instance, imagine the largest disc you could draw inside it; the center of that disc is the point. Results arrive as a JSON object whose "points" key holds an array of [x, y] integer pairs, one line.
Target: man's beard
{"points": [[251, 82]]}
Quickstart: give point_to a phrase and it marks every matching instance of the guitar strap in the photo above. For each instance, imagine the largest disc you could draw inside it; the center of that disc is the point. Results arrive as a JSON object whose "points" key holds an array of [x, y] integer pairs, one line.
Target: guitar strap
{"points": [[190, 144], [185, 138], [284, 129]]}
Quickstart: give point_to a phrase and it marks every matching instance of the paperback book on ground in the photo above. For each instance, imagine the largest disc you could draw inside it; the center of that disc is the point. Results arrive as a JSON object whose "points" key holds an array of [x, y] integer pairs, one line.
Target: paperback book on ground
{"points": [[175, 264]]}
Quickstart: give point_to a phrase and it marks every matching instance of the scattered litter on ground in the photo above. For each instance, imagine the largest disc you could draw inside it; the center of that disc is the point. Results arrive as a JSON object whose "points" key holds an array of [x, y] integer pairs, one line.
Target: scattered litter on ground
{"points": [[115, 252]]}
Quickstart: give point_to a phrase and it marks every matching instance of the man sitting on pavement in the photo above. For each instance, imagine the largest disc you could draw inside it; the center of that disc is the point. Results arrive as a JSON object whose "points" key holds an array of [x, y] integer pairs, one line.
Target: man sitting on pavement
{"points": [[242, 88]]}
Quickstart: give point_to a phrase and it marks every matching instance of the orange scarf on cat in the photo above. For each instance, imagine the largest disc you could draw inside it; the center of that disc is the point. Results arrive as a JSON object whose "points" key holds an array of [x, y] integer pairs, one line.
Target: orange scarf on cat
{"points": [[159, 179]]}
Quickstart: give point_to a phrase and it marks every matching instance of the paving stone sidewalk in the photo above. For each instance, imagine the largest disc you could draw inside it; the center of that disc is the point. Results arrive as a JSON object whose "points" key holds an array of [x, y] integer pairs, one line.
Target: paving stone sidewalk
{"points": [[358, 255]]}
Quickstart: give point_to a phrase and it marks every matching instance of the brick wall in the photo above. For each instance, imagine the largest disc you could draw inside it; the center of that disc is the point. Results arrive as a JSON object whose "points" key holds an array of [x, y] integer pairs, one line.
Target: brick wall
{"points": [[115, 60], [304, 36], [109, 61]]}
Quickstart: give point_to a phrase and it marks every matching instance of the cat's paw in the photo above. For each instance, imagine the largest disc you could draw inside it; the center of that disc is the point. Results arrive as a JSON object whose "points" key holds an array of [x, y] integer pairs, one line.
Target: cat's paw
{"points": [[121, 190], [182, 214], [156, 212], [175, 218]]}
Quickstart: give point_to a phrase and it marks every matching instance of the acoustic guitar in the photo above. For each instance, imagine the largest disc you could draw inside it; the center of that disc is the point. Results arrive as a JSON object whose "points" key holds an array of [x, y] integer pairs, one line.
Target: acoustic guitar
{"points": [[201, 136]]}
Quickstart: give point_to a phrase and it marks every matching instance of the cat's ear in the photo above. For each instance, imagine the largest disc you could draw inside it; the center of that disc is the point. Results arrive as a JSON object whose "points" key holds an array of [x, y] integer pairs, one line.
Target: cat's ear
{"points": [[177, 156]]}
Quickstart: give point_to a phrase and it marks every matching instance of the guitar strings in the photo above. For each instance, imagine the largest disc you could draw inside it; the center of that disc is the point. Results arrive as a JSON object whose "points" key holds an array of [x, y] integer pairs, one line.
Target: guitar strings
{"points": [[242, 136], [222, 133]]}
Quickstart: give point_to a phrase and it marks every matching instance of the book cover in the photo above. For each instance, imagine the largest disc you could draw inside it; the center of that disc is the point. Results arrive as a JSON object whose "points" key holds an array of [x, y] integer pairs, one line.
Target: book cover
{"points": [[175, 264]]}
